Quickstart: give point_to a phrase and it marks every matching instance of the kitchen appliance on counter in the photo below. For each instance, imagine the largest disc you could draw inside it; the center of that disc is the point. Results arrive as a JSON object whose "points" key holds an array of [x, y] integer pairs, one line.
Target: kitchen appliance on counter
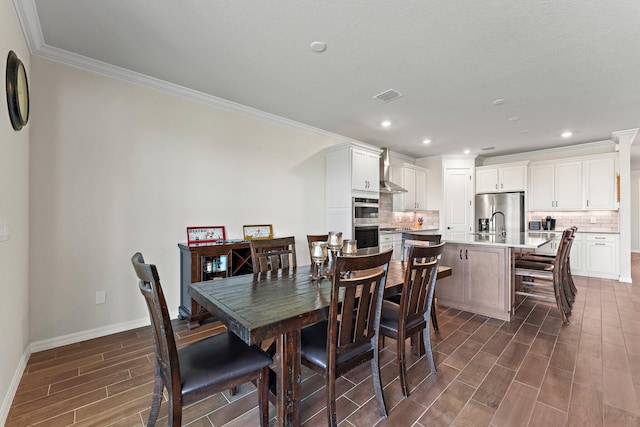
{"points": [[500, 212], [549, 223], [535, 225]]}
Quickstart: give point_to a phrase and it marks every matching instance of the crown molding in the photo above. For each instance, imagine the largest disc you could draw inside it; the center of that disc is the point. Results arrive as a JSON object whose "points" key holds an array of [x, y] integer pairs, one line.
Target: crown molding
{"points": [[30, 23]]}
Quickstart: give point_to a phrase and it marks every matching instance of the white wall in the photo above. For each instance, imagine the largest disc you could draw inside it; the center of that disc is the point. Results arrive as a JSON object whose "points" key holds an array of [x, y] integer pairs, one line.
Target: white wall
{"points": [[14, 208], [119, 168]]}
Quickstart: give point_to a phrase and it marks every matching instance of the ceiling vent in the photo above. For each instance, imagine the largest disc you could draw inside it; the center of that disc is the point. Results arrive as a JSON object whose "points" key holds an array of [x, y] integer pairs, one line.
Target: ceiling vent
{"points": [[388, 95]]}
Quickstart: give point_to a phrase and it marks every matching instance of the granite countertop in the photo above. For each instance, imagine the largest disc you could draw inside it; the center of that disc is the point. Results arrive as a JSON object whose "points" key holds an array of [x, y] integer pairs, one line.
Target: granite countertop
{"points": [[526, 240]]}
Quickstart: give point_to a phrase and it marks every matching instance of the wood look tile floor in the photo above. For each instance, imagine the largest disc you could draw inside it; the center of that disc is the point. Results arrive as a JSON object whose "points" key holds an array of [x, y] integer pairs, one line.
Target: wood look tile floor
{"points": [[532, 371]]}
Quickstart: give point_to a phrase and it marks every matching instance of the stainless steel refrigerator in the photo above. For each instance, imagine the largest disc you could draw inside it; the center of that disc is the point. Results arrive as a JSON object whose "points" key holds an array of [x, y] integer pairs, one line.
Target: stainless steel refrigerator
{"points": [[496, 212]]}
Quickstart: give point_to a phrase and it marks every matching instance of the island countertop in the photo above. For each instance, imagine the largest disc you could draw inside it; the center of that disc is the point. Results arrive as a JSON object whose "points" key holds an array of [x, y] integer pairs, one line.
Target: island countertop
{"points": [[525, 240]]}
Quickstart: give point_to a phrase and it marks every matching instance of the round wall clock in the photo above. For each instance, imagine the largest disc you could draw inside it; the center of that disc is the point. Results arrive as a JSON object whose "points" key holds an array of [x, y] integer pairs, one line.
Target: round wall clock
{"points": [[17, 91]]}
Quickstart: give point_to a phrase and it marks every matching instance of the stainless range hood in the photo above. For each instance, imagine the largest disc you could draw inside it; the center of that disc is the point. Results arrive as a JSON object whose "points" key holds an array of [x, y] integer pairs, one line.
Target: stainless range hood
{"points": [[386, 186]]}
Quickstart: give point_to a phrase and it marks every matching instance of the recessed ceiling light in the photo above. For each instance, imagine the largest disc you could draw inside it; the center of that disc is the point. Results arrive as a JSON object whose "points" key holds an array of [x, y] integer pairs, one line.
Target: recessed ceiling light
{"points": [[318, 46], [467, 151], [488, 148], [426, 141], [525, 131], [385, 123], [514, 118], [566, 134], [499, 101]]}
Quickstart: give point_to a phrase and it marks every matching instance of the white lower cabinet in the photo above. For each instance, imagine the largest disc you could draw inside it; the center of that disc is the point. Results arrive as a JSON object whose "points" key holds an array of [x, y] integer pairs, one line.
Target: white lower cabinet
{"points": [[601, 255], [391, 241], [479, 282]]}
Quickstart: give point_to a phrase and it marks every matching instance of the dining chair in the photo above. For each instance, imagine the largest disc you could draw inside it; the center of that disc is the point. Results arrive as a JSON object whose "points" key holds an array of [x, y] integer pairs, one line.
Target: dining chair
{"points": [[273, 254], [410, 317], [550, 258], [349, 337], [198, 370], [544, 281], [408, 239], [315, 238]]}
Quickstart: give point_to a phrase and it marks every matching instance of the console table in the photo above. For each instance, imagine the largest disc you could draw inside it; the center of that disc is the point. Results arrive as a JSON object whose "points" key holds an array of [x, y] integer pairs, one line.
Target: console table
{"points": [[207, 261]]}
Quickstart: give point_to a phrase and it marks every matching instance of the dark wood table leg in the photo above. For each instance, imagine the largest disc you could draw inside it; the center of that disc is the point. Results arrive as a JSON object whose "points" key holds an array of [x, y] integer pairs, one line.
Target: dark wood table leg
{"points": [[288, 382]]}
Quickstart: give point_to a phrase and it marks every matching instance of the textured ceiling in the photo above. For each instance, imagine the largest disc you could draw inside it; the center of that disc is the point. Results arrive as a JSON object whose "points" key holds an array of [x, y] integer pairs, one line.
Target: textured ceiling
{"points": [[560, 65]]}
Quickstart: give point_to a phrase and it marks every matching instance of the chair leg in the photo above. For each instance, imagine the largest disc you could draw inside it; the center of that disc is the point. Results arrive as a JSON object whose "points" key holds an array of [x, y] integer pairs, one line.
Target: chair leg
{"points": [[331, 401], [402, 364], [175, 410], [377, 383], [427, 349], [434, 317], [263, 396], [158, 386]]}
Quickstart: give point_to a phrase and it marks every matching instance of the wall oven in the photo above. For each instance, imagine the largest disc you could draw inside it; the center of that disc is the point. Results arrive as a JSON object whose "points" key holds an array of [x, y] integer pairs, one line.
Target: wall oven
{"points": [[366, 224]]}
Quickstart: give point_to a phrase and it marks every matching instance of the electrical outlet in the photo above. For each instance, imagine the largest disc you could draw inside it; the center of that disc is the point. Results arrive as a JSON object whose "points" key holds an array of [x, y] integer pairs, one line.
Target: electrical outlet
{"points": [[101, 297], [593, 220]]}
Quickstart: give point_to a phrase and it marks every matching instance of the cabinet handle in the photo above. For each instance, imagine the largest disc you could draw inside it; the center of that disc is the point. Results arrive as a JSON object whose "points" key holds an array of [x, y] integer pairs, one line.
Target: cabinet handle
{"points": [[601, 244], [502, 186], [496, 186], [466, 254], [587, 202], [599, 238], [460, 253]]}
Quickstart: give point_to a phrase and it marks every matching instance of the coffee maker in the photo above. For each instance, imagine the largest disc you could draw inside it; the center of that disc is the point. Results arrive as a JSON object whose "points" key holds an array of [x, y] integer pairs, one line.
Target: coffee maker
{"points": [[548, 223]]}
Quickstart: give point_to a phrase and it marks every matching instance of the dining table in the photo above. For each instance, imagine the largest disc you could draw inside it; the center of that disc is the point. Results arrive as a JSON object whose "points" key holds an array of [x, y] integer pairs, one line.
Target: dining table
{"points": [[278, 304]]}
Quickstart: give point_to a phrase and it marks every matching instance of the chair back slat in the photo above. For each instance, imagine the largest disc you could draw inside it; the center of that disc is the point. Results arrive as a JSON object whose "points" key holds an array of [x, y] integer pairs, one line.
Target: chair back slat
{"points": [[350, 324], [163, 339], [273, 254]]}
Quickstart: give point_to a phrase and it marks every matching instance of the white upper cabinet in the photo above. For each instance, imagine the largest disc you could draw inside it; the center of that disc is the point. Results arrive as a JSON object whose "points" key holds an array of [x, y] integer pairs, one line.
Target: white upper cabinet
{"points": [[414, 180], [555, 186], [499, 178], [600, 184], [365, 170], [573, 184]]}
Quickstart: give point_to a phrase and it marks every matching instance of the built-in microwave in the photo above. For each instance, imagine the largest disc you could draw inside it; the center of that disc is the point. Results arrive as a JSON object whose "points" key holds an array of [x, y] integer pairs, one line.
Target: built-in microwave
{"points": [[366, 224]]}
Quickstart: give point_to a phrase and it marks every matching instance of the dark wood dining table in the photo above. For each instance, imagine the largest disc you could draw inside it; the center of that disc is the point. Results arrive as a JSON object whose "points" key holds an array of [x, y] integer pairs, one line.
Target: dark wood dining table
{"points": [[278, 305]]}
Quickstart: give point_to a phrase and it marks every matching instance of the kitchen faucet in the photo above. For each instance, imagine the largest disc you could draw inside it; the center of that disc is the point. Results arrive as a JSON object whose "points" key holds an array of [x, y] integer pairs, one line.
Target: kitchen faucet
{"points": [[504, 232]]}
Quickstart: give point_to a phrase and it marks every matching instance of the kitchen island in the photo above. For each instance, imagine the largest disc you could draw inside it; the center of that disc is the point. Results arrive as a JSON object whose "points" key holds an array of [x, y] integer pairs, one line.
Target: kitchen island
{"points": [[482, 281]]}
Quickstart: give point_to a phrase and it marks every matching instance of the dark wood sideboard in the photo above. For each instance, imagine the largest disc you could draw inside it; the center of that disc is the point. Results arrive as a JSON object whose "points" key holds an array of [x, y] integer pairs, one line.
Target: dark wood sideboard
{"points": [[206, 261]]}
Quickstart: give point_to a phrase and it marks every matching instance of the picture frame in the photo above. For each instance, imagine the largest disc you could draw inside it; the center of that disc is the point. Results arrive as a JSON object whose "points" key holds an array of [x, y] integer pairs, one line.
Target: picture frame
{"points": [[206, 234], [257, 231]]}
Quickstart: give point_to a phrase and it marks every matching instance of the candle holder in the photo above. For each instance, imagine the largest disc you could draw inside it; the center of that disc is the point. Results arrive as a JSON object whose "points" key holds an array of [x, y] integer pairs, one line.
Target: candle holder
{"points": [[350, 248], [319, 257], [334, 243]]}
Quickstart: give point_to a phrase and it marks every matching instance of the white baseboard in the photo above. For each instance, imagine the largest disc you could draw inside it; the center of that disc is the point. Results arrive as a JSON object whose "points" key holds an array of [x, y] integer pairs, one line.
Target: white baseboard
{"points": [[13, 387], [89, 334], [625, 279]]}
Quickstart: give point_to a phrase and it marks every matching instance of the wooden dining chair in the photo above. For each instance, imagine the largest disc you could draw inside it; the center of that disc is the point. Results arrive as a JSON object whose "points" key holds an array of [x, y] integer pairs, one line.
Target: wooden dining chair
{"points": [[409, 318], [315, 238], [409, 239], [273, 254], [198, 370], [544, 281], [349, 337]]}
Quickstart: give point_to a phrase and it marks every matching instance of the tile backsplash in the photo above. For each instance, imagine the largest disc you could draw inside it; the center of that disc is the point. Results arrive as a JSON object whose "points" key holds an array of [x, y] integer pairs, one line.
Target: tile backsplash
{"points": [[389, 218], [605, 221]]}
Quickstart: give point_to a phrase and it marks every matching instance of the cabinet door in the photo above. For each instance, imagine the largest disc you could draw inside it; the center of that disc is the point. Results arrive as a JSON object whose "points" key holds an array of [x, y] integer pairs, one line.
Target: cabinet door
{"points": [[600, 184], [600, 257], [568, 185], [421, 191], [511, 178], [359, 170], [450, 288], [409, 183], [541, 187], [372, 172], [486, 180], [576, 256], [485, 278], [397, 250]]}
